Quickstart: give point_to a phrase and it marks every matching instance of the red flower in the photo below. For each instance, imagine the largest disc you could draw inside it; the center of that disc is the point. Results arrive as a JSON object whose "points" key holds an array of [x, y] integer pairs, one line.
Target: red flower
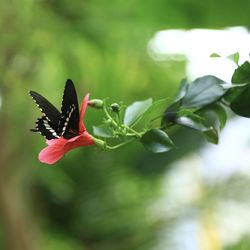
{"points": [[58, 147]]}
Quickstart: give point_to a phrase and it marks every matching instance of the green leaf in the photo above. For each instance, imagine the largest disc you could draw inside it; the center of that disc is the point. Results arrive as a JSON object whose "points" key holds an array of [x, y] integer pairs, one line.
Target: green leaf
{"points": [[171, 111], [192, 123], [181, 91], [215, 55], [157, 141], [242, 73], [168, 118], [203, 91], [159, 104], [154, 112], [241, 103], [210, 132], [156, 107], [103, 131], [214, 115], [221, 113], [234, 90], [135, 110], [211, 135], [234, 57], [186, 112]]}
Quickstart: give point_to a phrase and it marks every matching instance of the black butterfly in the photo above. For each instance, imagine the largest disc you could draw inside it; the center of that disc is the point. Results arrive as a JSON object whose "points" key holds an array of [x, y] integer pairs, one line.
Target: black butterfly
{"points": [[55, 124]]}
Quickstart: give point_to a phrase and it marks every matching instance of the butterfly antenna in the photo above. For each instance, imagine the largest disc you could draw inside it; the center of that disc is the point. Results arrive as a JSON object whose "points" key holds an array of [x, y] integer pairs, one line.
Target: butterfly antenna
{"points": [[34, 130]]}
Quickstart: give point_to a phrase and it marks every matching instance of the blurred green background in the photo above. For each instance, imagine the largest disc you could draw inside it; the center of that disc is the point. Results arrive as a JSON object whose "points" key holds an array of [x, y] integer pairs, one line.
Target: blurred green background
{"points": [[94, 200]]}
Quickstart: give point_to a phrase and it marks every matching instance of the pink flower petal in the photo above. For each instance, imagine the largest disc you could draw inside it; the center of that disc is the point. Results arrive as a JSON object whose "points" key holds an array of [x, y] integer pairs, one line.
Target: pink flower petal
{"points": [[51, 154], [82, 112], [58, 141], [85, 139], [58, 147]]}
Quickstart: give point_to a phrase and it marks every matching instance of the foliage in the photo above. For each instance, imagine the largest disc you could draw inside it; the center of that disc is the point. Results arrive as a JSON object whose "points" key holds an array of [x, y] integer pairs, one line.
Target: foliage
{"points": [[192, 108], [208, 94]]}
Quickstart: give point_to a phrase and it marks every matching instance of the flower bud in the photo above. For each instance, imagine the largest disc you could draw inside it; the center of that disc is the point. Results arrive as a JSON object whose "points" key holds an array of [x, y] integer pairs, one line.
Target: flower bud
{"points": [[115, 107], [108, 121], [96, 103]]}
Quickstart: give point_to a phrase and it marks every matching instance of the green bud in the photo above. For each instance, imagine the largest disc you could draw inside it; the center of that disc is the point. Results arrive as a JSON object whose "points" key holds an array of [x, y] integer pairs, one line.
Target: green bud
{"points": [[115, 107], [108, 121], [96, 103]]}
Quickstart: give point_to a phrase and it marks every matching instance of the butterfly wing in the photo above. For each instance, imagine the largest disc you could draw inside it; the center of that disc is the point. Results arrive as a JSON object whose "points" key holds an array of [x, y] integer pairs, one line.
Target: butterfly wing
{"points": [[50, 112], [69, 121], [46, 128]]}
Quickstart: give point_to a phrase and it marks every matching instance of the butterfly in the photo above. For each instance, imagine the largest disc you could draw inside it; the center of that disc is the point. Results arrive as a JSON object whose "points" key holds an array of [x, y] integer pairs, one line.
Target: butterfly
{"points": [[54, 124]]}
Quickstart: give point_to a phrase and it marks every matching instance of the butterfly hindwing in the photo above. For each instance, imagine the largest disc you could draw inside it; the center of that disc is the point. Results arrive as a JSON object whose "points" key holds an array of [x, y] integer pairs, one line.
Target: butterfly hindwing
{"points": [[49, 110], [69, 121], [46, 128]]}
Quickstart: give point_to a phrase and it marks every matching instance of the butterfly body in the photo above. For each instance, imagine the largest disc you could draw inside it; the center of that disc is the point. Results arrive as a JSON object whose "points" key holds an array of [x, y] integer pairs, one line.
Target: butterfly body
{"points": [[54, 124]]}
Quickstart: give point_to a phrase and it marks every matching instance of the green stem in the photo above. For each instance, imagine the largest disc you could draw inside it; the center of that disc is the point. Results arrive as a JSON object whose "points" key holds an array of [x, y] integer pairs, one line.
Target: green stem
{"points": [[137, 134], [109, 116], [119, 145], [133, 132], [118, 118], [126, 134], [225, 103]]}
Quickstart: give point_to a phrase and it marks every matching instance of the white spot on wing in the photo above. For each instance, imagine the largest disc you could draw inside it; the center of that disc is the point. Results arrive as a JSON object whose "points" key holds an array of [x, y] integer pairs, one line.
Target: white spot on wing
{"points": [[69, 112]]}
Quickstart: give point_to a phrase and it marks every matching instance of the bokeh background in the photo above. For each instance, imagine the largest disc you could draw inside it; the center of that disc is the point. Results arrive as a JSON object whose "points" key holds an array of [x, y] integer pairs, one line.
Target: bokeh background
{"points": [[193, 198]]}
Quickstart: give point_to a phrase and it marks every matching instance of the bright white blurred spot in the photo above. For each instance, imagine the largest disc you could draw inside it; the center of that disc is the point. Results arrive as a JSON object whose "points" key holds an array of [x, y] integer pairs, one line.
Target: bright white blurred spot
{"points": [[231, 226], [183, 230], [231, 156], [181, 176], [197, 45]]}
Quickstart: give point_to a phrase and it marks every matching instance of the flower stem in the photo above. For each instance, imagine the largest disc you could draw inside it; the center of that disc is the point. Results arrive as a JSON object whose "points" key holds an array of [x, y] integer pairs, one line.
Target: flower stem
{"points": [[98, 142], [109, 116], [119, 145], [137, 134], [117, 125]]}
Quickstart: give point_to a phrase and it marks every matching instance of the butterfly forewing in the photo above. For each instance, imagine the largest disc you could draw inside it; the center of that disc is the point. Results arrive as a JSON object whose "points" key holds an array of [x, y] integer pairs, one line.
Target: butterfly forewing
{"points": [[50, 112], [69, 121]]}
